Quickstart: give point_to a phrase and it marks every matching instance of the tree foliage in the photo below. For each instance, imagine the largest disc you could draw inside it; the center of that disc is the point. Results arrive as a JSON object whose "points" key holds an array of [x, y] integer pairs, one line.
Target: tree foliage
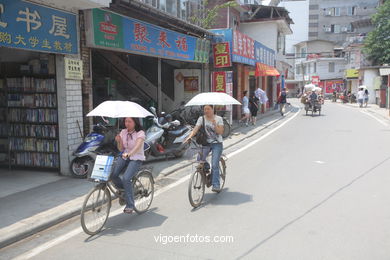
{"points": [[207, 17], [377, 43]]}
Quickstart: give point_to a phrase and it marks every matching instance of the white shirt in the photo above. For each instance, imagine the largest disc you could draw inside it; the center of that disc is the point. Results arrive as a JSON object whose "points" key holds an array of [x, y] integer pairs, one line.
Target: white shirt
{"points": [[360, 94]]}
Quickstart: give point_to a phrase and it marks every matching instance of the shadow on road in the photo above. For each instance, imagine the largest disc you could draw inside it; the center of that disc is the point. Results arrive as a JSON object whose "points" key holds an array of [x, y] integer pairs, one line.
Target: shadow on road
{"points": [[225, 197], [123, 223]]}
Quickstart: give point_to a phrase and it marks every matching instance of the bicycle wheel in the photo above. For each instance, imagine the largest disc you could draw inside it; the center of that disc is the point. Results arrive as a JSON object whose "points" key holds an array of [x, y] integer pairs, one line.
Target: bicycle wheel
{"points": [[95, 210], [226, 128], [196, 189], [222, 173], [143, 189]]}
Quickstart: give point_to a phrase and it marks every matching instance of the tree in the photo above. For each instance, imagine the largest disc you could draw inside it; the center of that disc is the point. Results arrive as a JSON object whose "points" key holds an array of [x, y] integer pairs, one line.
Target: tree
{"points": [[206, 18], [377, 43]]}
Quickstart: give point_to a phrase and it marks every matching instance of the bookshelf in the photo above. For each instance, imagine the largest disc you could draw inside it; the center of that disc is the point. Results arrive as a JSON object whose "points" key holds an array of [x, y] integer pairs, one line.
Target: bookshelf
{"points": [[31, 129]]}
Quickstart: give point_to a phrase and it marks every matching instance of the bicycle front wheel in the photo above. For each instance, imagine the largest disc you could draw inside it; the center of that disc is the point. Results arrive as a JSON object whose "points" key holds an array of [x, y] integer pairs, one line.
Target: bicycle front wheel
{"points": [[143, 189], [95, 210], [222, 173], [196, 189], [226, 128]]}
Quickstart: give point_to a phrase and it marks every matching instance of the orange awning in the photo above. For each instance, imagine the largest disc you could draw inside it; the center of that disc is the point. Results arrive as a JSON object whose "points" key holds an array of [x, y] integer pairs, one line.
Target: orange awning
{"points": [[265, 70]]}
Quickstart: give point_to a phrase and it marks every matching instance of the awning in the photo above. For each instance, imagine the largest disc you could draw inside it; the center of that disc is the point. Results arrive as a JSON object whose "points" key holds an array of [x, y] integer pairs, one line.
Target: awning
{"points": [[265, 70]]}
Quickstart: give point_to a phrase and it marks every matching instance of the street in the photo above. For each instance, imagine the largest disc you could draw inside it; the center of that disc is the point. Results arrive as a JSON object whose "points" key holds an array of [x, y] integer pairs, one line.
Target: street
{"points": [[307, 188]]}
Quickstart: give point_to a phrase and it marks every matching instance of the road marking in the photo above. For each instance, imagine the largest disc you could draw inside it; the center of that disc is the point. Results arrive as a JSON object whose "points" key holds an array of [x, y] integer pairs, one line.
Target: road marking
{"points": [[319, 162], [39, 249], [377, 119]]}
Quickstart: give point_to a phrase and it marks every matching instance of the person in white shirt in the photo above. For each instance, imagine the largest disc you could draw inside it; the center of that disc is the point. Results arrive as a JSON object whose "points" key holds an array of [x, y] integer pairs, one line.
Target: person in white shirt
{"points": [[360, 97], [245, 109]]}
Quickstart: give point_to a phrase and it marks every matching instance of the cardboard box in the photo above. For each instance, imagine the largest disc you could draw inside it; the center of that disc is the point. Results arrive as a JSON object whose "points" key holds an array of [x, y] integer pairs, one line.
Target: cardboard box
{"points": [[103, 167]]}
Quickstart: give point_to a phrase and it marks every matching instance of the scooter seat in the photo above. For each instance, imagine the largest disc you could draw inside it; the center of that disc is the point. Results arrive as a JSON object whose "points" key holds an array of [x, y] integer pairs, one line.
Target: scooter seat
{"points": [[178, 132]]}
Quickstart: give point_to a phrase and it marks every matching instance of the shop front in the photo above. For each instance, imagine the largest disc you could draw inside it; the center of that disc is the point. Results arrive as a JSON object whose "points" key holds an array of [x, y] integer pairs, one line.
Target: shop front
{"points": [[245, 54], [40, 98], [139, 61]]}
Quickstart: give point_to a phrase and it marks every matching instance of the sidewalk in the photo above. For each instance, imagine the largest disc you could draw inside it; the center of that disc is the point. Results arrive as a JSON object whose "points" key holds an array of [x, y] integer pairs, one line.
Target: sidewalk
{"points": [[33, 201], [383, 113]]}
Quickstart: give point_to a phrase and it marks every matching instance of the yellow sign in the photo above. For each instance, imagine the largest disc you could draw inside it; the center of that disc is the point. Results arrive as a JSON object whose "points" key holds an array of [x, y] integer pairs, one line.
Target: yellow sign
{"points": [[352, 73], [73, 69]]}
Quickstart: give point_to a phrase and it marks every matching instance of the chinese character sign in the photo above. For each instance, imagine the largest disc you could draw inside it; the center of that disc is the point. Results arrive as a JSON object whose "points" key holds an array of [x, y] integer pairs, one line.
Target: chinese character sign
{"points": [[315, 80], [33, 27], [219, 81], [222, 55], [244, 49], [115, 31]]}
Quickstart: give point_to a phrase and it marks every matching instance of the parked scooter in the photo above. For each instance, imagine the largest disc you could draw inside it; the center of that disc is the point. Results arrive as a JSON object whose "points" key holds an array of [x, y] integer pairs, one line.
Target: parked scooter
{"points": [[166, 137], [100, 142]]}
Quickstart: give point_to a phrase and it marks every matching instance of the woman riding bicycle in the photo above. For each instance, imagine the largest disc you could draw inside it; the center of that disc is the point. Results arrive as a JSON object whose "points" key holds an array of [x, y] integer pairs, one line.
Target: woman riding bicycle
{"points": [[214, 130], [130, 142]]}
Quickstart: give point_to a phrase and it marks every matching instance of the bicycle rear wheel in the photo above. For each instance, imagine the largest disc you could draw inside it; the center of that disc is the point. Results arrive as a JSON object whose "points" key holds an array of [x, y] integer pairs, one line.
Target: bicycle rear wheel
{"points": [[196, 189], [143, 189], [222, 173], [226, 128], [95, 210]]}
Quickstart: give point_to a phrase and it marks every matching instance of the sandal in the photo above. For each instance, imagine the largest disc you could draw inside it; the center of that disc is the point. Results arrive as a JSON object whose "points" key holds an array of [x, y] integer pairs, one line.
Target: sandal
{"points": [[128, 210]]}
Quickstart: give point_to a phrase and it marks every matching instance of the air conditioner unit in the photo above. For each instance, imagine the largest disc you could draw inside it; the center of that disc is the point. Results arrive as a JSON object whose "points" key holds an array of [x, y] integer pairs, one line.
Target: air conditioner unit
{"points": [[327, 29]]}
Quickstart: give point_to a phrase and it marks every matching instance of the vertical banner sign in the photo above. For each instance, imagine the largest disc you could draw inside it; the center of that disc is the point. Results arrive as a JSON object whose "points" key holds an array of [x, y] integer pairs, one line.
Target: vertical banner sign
{"points": [[110, 30], [315, 80], [222, 57], [33, 27], [219, 81]]}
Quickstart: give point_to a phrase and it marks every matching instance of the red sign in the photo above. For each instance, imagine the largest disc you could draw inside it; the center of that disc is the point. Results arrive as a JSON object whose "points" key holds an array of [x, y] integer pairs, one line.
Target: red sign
{"points": [[334, 85], [222, 57], [315, 80], [219, 81], [243, 45]]}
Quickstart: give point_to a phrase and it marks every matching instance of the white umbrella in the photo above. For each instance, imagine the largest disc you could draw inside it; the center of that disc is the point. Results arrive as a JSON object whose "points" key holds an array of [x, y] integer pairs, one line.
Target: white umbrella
{"points": [[310, 87], [116, 109], [212, 98], [318, 89], [363, 87]]}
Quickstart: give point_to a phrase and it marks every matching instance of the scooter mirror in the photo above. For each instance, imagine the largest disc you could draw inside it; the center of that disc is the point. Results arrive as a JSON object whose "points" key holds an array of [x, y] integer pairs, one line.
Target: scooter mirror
{"points": [[153, 110], [176, 123]]}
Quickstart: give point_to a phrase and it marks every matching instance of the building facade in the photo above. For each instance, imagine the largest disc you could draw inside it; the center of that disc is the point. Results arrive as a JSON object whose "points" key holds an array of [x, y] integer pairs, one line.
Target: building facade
{"points": [[334, 20]]}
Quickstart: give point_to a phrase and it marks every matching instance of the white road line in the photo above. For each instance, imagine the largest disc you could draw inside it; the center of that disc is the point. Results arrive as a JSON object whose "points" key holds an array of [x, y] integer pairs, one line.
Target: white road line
{"points": [[58, 240], [377, 119]]}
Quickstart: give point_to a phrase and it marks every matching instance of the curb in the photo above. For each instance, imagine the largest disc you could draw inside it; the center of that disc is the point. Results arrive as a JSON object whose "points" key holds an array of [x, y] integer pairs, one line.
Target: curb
{"points": [[51, 217]]}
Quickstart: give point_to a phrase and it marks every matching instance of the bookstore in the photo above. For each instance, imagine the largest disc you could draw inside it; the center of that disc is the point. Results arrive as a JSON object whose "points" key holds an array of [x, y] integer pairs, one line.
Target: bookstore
{"points": [[33, 39]]}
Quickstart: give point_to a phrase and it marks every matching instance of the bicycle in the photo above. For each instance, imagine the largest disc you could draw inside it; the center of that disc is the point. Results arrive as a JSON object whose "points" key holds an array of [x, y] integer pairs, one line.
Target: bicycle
{"points": [[202, 178], [97, 204]]}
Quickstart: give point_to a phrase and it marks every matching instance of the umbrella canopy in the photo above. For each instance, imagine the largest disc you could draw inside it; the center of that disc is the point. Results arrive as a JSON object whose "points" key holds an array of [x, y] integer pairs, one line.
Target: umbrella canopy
{"points": [[309, 87], [318, 89], [363, 87], [212, 98], [116, 109]]}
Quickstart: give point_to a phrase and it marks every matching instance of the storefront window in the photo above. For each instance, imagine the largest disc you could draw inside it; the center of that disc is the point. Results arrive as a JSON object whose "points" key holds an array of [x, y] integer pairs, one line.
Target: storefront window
{"points": [[163, 5]]}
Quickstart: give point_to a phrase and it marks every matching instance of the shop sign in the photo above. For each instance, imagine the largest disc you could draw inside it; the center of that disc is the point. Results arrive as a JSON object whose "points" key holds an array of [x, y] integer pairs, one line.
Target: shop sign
{"points": [[221, 53], [73, 69], [315, 80], [219, 81], [112, 31], [33, 27], [334, 85], [352, 73], [244, 49]]}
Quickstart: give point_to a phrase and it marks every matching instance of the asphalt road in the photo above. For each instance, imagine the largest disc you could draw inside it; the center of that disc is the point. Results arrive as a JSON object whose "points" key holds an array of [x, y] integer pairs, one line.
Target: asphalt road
{"points": [[307, 188]]}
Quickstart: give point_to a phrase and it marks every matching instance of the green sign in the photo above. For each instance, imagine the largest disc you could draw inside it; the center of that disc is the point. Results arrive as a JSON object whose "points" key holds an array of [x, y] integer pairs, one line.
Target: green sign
{"points": [[108, 29]]}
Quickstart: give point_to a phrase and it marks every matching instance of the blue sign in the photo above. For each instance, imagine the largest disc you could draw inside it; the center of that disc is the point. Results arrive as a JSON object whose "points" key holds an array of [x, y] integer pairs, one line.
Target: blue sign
{"points": [[110, 30], [262, 53], [33, 27]]}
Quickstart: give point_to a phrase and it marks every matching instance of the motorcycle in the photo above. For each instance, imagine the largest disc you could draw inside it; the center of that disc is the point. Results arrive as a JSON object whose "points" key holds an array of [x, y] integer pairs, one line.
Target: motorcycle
{"points": [[166, 136], [101, 141]]}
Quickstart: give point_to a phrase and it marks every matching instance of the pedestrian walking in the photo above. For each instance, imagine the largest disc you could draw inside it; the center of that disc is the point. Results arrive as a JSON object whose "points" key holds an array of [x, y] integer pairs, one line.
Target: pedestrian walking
{"points": [[245, 109], [360, 97], [282, 100], [366, 95], [254, 108]]}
